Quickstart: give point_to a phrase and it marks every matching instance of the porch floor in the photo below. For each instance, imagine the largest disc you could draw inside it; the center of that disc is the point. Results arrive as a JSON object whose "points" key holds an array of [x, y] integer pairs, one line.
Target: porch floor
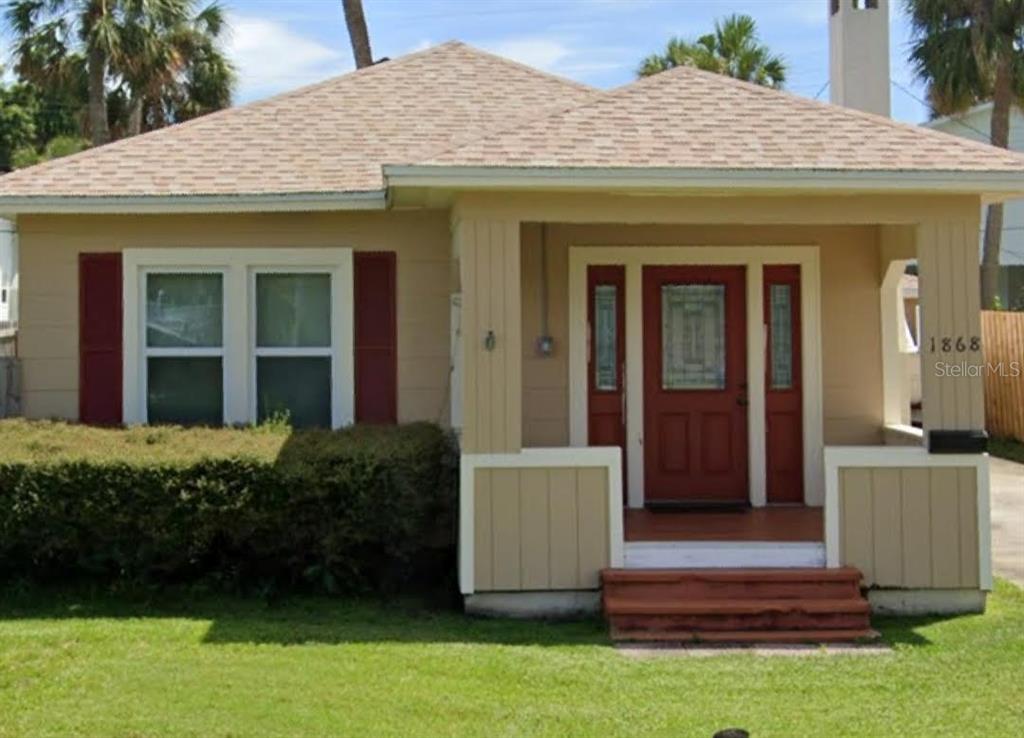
{"points": [[790, 524]]}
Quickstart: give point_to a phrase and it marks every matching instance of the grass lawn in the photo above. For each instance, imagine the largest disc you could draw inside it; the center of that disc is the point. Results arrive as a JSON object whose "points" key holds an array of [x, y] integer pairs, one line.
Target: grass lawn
{"points": [[319, 667], [1007, 448]]}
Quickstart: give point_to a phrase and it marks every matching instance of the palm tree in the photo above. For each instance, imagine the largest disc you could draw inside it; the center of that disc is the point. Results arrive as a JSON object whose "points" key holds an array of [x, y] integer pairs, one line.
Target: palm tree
{"points": [[144, 46], [734, 50], [358, 35], [51, 37], [968, 52], [173, 67]]}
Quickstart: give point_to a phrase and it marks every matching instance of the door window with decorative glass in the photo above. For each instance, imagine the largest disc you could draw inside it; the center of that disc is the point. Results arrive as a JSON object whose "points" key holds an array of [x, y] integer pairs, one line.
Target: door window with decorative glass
{"points": [[606, 350], [693, 336], [781, 332]]}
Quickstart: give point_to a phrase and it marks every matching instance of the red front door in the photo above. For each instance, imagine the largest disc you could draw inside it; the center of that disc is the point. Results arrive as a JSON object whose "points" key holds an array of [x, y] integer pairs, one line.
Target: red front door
{"points": [[695, 385]]}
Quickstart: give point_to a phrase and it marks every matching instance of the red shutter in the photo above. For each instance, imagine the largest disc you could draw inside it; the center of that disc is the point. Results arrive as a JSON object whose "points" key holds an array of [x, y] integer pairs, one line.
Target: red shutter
{"points": [[376, 351], [99, 338]]}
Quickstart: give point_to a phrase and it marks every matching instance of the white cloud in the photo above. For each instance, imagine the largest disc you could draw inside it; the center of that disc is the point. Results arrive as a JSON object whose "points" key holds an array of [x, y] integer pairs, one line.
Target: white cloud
{"points": [[421, 46], [568, 55], [272, 58], [538, 52]]}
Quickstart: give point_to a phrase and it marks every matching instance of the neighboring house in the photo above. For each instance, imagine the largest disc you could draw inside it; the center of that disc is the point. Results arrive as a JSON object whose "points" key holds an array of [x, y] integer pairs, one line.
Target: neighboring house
{"points": [[669, 298], [975, 124], [8, 276]]}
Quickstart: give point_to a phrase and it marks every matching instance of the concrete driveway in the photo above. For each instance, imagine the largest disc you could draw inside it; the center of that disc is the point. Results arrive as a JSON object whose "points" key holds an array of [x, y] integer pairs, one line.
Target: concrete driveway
{"points": [[1008, 520]]}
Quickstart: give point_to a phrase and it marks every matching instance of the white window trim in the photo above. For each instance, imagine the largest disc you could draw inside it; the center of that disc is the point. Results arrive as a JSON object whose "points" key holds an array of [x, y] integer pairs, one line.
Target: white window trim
{"points": [[237, 265], [176, 352], [754, 258]]}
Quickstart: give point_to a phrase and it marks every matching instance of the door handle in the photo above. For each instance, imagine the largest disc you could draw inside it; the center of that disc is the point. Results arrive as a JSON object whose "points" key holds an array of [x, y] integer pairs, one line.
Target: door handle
{"points": [[742, 400]]}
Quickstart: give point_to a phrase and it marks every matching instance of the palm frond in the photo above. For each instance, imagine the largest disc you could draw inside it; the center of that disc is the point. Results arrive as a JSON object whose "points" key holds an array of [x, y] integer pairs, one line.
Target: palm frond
{"points": [[732, 49]]}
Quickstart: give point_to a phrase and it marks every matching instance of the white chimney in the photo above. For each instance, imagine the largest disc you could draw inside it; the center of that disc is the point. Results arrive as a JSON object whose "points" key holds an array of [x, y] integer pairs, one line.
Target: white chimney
{"points": [[858, 33]]}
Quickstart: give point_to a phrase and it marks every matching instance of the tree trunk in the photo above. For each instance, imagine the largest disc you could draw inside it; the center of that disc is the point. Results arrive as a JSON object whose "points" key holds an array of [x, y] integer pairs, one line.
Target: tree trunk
{"points": [[134, 116], [1002, 100], [357, 33], [99, 127]]}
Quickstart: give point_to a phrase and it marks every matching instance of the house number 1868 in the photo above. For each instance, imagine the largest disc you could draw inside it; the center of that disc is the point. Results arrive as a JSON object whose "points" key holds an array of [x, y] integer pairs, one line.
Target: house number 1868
{"points": [[959, 344]]}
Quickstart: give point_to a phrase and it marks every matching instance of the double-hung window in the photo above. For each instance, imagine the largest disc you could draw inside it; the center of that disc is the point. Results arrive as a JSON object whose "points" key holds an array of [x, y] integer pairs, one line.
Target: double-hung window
{"points": [[184, 347], [293, 352], [218, 336]]}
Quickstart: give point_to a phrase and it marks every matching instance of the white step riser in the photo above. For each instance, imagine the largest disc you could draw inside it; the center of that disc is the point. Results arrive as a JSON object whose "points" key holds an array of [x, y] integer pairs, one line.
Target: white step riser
{"points": [[715, 555]]}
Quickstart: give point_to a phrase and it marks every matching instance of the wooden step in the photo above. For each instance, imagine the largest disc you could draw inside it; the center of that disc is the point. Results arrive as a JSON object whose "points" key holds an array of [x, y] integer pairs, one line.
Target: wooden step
{"points": [[704, 584], [715, 622], [843, 573], [852, 635], [630, 606], [736, 605]]}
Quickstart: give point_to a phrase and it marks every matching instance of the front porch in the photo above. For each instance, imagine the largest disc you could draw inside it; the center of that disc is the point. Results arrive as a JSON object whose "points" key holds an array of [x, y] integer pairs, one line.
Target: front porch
{"points": [[790, 524], [775, 537], [571, 429]]}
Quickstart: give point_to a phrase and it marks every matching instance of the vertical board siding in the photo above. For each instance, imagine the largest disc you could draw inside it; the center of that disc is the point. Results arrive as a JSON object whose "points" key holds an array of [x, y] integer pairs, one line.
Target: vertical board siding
{"points": [[535, 551], [969, 552], [950, 308], [540, 529], [945, 528], [887, 522], [855, 497], [915, 506], [492, 379], [1003, 344], [592, 524], [506, 536], [910, 527], [483, 530]]}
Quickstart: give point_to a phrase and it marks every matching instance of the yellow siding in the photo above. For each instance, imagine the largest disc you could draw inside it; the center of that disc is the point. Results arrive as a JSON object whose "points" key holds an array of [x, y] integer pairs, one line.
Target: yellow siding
{"points": [[50, 246], [540, 529], [492, 386], [950, 308], [851, 341], [910, 527]]}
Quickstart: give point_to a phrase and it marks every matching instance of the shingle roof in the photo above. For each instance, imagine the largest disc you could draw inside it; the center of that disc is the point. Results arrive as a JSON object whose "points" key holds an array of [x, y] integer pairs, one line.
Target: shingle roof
{"points": [[332, 136], [689, 119], [453, 105]]}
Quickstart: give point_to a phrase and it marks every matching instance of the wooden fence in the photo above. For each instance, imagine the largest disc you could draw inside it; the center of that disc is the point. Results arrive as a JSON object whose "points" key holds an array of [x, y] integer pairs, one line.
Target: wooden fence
{"points": [[1002, 336]]}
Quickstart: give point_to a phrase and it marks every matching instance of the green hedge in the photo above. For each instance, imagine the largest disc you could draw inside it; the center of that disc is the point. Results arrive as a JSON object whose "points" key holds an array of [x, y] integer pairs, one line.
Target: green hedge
{"points": [[268, 509]]}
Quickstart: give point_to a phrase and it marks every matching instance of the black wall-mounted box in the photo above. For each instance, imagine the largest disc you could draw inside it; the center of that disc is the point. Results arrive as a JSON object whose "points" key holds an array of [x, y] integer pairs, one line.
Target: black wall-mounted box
{"points": [[957, 442]]}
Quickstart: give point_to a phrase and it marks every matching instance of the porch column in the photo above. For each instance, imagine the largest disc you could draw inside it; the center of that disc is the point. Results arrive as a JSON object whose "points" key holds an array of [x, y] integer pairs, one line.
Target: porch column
{"points": [[950, 340], [492, 408]]}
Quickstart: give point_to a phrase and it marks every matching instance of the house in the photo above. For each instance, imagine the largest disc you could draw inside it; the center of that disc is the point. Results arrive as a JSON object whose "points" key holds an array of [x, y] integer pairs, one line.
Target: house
{"points": [[8, 276], [975, 125], [666, 353]]}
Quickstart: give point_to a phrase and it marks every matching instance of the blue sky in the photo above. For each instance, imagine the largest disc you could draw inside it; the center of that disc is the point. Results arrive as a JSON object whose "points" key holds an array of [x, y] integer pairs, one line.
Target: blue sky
{"points": [[281, 44]]}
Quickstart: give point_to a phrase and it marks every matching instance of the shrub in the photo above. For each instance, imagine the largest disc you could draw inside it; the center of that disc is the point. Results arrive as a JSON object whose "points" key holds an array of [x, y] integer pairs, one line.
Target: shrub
{"points": [[269, 509]]}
